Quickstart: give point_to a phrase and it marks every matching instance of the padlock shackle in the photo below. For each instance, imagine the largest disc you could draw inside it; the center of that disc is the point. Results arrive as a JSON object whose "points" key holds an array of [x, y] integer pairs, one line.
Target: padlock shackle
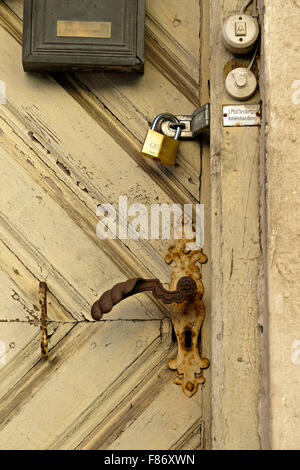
{"points": [[167, 117]]}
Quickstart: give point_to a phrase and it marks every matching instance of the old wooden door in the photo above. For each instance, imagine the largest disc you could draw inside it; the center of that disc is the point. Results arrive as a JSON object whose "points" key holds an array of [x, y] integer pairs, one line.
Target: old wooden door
{"points": [[67, 144]]}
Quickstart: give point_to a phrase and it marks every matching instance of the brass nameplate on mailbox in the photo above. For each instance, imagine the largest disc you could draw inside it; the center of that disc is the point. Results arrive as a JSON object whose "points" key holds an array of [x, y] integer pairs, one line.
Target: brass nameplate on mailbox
{"points": [[84, 29]]}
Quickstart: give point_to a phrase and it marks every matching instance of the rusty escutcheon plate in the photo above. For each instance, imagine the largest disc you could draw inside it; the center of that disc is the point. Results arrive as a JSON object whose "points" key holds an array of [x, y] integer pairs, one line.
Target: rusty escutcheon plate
{"points": [[187, 318]]}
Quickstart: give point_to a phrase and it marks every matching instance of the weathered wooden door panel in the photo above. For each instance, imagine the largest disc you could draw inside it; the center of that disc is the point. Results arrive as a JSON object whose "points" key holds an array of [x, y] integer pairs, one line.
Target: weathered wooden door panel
{"points": [[67, 144]]}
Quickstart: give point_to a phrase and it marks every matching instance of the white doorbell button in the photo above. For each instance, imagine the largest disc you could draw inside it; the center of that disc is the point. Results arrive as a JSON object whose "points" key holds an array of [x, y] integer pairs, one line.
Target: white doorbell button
{"points": [[241, 83], [240, 33]]}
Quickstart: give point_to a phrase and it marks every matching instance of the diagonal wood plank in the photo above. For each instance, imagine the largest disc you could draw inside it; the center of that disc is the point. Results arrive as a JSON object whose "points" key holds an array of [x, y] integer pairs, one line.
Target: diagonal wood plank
{"points": [[158, 426], [67, 393], [23, 355], [171, 44]]}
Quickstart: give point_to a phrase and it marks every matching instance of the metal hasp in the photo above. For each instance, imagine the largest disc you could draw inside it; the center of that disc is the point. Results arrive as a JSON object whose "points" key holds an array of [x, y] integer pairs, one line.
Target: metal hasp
{"points": [[191, 125]]}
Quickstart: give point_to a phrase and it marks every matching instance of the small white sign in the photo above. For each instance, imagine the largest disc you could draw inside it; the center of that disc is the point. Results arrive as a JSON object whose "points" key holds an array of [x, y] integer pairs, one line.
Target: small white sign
{"points": [[241, 115]]}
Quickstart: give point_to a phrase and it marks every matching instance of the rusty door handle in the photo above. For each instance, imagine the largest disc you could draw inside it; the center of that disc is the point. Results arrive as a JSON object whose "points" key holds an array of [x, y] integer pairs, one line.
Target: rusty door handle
{"points": [[186, 289]]}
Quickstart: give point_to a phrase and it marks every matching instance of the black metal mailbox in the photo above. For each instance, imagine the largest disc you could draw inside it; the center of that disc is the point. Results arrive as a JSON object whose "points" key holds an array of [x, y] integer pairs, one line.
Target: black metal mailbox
{"points": [[62, 35]]}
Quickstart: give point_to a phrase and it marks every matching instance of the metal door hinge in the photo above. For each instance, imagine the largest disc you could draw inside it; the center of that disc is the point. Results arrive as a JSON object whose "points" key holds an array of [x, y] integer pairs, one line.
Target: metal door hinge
{"points": [[191, 125]]}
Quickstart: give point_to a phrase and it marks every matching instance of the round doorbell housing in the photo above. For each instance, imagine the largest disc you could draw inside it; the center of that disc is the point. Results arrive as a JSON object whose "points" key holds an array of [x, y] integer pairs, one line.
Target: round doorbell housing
{"points": [[241, 83], [240, 33]]}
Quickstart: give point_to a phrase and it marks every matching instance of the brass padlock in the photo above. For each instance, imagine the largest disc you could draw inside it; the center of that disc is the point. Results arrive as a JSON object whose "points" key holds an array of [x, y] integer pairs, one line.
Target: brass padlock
{"points": [[160, 147]]}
